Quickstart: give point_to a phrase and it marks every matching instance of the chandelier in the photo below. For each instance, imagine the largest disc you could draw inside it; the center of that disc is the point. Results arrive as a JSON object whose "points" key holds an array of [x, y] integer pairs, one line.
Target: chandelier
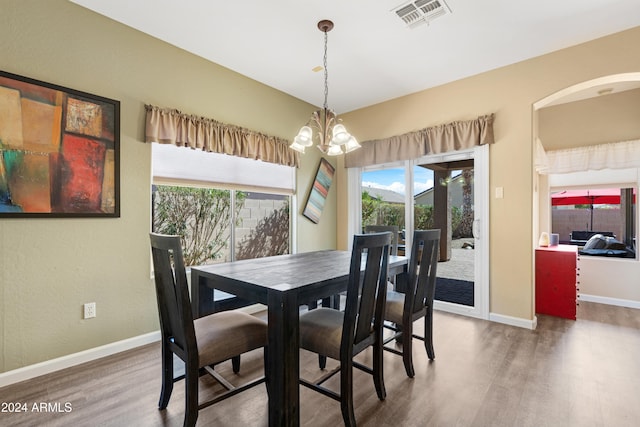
{"points": [[333, 138]]}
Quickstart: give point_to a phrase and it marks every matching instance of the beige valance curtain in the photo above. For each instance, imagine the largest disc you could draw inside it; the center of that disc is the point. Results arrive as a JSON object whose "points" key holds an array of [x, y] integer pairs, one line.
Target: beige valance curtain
{"points": [[432, 140], [170, 126]]}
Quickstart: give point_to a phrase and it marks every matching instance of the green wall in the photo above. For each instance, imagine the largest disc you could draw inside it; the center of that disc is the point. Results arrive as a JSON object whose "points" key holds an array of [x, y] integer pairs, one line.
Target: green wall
{"points": [[50, 267]]}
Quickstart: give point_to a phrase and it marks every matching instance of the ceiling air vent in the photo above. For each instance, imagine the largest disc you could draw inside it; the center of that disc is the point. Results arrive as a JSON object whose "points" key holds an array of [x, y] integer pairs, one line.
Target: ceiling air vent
{"points": [[418, 12]]}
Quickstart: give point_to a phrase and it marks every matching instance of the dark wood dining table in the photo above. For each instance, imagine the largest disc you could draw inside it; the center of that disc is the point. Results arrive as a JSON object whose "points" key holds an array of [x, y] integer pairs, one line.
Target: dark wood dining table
{"points": [[283, 283]]}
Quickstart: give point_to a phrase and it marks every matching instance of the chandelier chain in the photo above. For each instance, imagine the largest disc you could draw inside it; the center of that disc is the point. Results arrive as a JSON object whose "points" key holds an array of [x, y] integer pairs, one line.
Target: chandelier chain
{"points": [[326, 72], [324, 126]]}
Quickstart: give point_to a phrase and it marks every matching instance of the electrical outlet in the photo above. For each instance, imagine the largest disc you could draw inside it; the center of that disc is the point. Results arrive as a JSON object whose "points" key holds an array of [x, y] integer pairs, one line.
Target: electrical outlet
{"points": [[89, 310]]}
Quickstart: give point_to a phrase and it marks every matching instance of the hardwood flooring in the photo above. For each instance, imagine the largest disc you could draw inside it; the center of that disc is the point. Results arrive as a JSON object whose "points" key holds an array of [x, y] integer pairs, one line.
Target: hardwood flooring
{"points": [[565, 373]]}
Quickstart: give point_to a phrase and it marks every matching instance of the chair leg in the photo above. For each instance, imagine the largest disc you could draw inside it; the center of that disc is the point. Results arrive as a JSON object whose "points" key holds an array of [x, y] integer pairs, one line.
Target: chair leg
{"points": [[407, 350], [428, 334], [346, 394], [398, 329], [167, 377], [322, 361], [235, 363], [266, 376], [378, 372], [335, 302], [191, 396]]}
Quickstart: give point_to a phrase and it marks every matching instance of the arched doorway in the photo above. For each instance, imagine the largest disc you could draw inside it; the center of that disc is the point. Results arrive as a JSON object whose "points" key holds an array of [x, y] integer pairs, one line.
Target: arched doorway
{"points": [[595, 273]]}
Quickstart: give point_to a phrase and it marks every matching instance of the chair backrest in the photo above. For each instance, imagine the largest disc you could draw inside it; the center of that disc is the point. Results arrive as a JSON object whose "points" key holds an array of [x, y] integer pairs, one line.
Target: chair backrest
{"points": [[366, 292], [382, 228], [174, 305], [423, 265]]}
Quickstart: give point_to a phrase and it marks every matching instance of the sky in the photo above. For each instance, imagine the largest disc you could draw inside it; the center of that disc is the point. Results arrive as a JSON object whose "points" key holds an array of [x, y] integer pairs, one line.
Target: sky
{"points": [[393, 179]]}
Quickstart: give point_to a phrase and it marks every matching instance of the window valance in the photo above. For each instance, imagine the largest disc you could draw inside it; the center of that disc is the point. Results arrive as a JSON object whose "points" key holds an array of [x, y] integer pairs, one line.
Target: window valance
{"points": [[453, 136], [170, 126], [615, 155]]}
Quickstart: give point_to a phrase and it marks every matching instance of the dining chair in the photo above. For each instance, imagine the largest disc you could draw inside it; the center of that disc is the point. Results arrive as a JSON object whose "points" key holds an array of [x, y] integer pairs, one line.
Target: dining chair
{"points": [[394, 229], [382, 228], [413, 298], [200, 343], [341, 335]]}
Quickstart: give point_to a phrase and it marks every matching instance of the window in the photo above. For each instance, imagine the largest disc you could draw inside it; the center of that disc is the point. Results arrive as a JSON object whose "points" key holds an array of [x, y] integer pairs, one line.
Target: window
{"points": [[219, 225], [579, 213], [212, 201], [383, 197], [262, 225]]}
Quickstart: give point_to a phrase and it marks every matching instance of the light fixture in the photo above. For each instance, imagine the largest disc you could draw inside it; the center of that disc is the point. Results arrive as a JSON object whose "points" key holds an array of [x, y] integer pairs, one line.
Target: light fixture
{"points": [[332, 136]]}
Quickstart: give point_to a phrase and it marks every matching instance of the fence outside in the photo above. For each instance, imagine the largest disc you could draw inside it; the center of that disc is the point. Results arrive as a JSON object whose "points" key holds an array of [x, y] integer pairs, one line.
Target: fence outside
{"points": [[567, 220]]}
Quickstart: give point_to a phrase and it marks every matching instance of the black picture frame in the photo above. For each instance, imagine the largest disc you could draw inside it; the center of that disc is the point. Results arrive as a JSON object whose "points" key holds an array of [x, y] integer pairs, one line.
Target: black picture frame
{"points": [[59, 151]]}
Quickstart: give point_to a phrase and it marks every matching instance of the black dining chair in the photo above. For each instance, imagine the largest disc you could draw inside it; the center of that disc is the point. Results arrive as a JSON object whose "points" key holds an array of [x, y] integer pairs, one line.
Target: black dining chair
{"points": [[394, 229], [341, 335], [201, 343], [413, 298], [336, 300]]}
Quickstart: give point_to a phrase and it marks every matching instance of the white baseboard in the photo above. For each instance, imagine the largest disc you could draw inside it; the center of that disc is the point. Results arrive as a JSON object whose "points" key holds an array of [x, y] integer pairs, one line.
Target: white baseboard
{"points": [[53, 365], [49, 366], [610, 301], [514, 321], [532, 324]]}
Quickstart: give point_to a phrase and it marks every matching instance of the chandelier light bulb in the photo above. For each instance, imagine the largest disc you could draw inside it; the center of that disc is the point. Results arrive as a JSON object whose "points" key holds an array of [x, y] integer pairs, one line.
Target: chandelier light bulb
{"points": [[352, 144], [295, 146], [340, 135], [304, 137], [334, 150]]}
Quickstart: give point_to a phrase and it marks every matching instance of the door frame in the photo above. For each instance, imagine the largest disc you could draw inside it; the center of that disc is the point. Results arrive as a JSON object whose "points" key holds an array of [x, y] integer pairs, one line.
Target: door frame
{"points": [[480, 155]]}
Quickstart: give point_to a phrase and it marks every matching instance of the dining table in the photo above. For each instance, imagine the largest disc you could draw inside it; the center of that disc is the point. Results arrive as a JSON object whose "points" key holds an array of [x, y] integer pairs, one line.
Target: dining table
{"points": [[283, 283]]}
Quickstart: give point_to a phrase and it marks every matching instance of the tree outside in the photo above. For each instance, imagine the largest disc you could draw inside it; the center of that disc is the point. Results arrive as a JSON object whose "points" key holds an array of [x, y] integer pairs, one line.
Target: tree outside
{"points": [[464, 228], [200, 216], [377, 212]]}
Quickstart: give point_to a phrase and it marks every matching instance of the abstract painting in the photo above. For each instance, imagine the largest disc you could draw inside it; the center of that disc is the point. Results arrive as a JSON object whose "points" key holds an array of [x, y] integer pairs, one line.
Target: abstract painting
{"points": [[319, 191], [59, 151]]}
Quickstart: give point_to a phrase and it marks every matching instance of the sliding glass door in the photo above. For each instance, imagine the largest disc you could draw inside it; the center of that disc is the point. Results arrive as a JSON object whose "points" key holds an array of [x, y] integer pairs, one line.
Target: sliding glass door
{"points": [[449, 192], [447, 204]]}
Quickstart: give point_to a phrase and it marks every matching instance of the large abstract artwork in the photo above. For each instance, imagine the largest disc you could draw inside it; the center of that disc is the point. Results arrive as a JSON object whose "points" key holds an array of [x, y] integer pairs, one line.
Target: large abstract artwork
{"points": [[319, 191], [59, 151]]}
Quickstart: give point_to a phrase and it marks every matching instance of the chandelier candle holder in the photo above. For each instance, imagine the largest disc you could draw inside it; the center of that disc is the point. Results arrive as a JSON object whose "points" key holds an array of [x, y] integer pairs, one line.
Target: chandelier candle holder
{"points": [[333, 138]]}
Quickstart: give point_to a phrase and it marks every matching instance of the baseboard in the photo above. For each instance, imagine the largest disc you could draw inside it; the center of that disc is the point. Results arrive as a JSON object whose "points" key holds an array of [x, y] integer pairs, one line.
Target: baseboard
{"points": [[53, 365], [49, 366], [609, 301], [514, 321]]}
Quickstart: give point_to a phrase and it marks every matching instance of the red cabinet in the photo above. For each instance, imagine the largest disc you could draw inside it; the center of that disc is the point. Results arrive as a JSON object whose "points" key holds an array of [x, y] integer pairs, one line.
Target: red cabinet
{"points": [[556, 279]]}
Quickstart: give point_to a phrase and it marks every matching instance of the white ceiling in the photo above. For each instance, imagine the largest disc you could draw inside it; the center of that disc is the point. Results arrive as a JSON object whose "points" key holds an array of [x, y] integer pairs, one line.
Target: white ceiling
{"points": [[372, 55]]}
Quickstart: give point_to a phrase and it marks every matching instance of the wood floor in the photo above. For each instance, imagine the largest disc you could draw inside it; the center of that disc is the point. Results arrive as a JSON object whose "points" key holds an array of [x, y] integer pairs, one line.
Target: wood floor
{"points": [[565, 373]]}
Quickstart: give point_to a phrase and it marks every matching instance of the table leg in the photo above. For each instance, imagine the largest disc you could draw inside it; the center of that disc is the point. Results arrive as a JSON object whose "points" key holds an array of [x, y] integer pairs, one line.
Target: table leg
{"points": [[201, 296], [283, 361]]}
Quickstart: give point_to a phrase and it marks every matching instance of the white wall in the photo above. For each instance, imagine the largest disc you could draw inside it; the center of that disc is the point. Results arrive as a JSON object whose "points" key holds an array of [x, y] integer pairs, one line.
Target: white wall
{"points": [[609, 280]]}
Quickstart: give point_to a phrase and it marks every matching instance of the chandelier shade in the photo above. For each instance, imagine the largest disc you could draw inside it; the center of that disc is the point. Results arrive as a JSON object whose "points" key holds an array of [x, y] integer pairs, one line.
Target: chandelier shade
{"points": [[332, 136]]}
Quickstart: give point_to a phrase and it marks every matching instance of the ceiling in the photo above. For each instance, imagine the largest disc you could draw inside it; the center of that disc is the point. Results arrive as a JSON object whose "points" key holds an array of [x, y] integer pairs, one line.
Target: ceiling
{"points": [[372, 55]]}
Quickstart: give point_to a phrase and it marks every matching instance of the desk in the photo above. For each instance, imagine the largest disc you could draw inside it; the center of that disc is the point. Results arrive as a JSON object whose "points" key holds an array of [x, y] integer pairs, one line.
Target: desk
{"points": [[282, 283]]}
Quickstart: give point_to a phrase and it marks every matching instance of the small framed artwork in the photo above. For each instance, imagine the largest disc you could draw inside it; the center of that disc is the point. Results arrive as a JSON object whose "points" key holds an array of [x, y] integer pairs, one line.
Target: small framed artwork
{"points": [[319, 191], [59, 151]]}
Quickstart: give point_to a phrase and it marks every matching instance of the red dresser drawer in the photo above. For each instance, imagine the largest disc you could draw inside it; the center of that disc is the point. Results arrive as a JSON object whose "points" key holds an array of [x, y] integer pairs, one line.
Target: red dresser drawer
{"points": [[556, 291]]}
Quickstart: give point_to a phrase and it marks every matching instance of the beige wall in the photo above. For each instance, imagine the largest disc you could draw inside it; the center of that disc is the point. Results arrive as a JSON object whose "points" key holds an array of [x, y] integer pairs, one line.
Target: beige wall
{"points": [[509, 92], [607, 118], [50, 267]]}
